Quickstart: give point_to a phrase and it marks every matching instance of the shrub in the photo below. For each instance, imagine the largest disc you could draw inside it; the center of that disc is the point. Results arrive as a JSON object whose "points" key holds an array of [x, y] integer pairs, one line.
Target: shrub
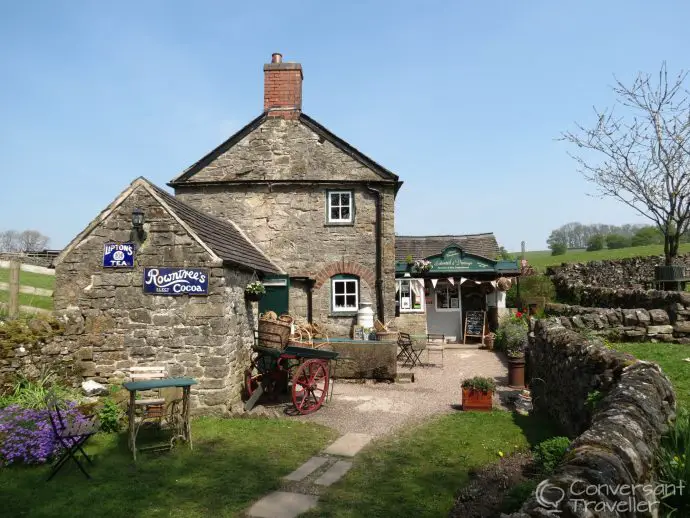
{"points": [[614, 241], [511, 335], [28, 330], [596, 242], [110, 416], [26, 435], [549, 453], [648, 235], [28, 393], [558, 248], [531, 286], [673, 468], [516, 496], [479, 383]]}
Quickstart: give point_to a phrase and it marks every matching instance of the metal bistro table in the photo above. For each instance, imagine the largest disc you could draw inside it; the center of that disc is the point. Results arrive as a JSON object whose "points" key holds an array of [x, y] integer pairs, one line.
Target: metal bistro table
{"points": [[183, 430]]}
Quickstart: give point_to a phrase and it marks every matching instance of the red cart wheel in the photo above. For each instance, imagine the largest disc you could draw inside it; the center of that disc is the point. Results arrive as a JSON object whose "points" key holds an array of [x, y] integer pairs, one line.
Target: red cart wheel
{"points": [[310, 386], [252, 379]]}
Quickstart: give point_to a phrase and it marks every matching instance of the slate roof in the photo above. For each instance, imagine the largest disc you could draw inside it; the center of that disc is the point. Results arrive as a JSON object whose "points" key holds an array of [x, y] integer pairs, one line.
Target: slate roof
{"points": [[223, 237], [310, 123], [420, 247]]}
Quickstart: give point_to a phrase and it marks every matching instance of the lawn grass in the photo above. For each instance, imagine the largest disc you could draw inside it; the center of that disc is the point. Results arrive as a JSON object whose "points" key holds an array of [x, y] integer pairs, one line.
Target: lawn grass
{"points": [[234, 462], [25, 299], [670, 358], [540, 259], [36, 280], [417, 473]]}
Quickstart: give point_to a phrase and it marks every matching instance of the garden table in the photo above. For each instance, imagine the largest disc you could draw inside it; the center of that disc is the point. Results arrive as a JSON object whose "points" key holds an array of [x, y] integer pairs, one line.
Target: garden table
{"points": [[183, 430]]}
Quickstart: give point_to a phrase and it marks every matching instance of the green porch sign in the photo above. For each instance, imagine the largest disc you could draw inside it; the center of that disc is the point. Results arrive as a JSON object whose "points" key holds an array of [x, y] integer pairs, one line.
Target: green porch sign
{"points": [[454, 259]]}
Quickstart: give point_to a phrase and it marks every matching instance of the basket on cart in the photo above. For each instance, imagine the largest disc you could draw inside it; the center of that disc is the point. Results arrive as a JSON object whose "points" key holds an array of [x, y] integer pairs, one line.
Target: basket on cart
{"points": [[279, 328]]}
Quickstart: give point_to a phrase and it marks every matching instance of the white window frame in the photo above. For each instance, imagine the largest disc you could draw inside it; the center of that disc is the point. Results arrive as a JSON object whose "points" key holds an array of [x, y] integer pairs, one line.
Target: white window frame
{"points": [[346, 309], [329, 219], [423, 295], [445, 287]]}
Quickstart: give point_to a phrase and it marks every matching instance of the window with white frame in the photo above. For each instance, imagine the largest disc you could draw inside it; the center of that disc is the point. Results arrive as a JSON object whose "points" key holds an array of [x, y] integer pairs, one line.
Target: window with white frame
{"points": [[410, 294], [340, 207], [345, 293]]}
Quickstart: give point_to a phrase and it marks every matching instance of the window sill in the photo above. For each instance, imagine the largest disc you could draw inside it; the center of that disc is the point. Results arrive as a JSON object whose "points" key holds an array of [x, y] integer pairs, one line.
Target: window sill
{"points": [[339, 224], [343, 313]]}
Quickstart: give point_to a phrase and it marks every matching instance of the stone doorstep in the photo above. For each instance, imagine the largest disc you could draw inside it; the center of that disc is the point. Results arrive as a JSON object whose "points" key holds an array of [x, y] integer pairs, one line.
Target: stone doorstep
{"points": [[349, 444], [281, 504], [306, 469], [334, 473]]}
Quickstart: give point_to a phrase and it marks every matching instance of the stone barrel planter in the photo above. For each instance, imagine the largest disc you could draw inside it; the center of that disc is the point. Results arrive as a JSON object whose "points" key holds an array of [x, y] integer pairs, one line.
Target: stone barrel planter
{"points": [[516, 372]]}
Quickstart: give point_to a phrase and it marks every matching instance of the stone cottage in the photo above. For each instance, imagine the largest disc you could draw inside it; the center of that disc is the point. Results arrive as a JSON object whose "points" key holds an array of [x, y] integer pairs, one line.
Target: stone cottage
{"points": [[321, 209], [175, 298]]}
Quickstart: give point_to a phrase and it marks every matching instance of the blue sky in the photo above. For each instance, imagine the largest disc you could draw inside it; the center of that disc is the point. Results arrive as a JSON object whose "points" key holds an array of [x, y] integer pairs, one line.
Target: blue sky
{"points": [[463, 100]]}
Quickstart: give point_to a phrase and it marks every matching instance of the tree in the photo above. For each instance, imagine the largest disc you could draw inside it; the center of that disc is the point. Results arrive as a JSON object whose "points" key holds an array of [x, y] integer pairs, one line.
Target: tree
{"points": [[558, 248], [643, 154], [26, 241], [504, 255], [614, 241], [596, 242], [648, 235]]}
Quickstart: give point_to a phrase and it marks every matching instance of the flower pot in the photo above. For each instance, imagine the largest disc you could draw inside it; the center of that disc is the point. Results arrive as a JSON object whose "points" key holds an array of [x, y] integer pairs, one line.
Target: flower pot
{"points": [[489, 342], [516, 372], [253, 297], [476, 399]]}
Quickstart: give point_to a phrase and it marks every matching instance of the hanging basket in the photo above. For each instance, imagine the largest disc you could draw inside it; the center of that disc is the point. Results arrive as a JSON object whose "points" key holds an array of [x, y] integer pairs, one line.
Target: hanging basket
{"points": [[253, 297]]}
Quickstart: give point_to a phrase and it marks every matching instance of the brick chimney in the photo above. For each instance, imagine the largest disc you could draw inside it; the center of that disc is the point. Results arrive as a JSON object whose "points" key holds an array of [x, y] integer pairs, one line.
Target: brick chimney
{"points": [[282, 88]]}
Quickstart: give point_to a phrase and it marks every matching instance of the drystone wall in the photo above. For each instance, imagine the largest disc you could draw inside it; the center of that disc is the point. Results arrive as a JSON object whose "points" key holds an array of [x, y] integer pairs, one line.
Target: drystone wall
{"points": [[614, 284], [670, 325], [615, 439], [631, 272]]}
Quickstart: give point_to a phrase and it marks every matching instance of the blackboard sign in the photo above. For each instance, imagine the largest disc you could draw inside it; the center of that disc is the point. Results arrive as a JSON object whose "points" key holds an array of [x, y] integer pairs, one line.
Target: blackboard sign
{"points": [[176, 281], [474, 324]]}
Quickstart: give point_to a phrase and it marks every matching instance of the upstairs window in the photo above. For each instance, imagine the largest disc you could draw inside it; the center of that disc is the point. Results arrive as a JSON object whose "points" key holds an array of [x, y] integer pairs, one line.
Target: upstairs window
{"points": [[345, 290], [340, 207]]}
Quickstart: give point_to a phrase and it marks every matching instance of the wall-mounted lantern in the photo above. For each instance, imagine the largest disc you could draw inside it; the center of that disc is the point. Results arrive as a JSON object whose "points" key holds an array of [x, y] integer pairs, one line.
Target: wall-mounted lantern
{"points": [[138, 233]]}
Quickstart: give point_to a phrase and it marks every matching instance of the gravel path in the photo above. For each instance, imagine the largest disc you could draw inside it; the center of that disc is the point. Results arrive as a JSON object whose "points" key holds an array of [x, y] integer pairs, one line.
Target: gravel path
{"points": [[381, 408]]}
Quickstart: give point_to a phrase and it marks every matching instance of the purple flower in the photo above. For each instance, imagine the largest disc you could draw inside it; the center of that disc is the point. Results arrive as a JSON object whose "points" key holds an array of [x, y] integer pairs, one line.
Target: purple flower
{"points": [[26, 435]]}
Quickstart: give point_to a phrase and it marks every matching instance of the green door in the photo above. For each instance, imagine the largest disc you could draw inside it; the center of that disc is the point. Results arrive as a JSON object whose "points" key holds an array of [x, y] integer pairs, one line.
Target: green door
{"points": [[277, 293]]}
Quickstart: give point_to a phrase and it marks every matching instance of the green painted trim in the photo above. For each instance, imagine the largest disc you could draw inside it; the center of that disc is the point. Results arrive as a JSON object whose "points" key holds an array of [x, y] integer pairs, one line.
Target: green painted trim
{"points": [[454, 260]]}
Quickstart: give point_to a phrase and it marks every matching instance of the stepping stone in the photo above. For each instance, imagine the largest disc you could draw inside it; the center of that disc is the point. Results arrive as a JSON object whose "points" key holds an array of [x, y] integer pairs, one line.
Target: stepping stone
{"points": [[307, 468], [280, 504], [349, 444], [334, 473]]}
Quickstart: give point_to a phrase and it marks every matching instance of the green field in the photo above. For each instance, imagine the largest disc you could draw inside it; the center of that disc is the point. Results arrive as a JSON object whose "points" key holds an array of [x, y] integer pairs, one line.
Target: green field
{"points": [[35, 280], [540, 259]]}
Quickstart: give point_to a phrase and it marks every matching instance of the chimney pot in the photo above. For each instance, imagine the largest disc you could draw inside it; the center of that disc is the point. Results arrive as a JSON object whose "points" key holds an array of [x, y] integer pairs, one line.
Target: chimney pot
{"points": [[276, 57]]}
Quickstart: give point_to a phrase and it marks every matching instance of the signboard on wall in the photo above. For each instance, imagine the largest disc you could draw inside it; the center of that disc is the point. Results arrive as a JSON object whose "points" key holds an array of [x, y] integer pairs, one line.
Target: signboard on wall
{"points": [[176, 281], [118, 255], [454, 259]]}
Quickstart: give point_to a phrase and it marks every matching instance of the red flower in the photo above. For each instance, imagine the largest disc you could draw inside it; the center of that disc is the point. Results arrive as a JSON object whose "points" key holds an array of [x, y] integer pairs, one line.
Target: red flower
{"points": [[518, 315]]}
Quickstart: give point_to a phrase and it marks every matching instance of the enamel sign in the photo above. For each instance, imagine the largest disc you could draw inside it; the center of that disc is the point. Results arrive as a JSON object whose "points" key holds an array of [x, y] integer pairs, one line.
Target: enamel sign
{"points": [[176, 281], [118, 255]]}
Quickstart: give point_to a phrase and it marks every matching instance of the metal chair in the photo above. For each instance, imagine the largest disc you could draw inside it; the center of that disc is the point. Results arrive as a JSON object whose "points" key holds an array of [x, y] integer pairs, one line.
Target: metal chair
{"points": [[409, 351], [70, 435], [435, 342]]}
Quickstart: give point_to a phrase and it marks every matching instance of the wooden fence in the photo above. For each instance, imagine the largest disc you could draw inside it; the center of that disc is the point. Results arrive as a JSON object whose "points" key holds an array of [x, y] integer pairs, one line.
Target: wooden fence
{"points": [[15, 288]]}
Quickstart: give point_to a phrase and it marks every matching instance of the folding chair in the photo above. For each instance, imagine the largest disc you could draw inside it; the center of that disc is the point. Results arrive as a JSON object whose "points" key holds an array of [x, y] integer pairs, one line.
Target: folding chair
{"points": [[70, 435], [405, 345], [435, 342]]}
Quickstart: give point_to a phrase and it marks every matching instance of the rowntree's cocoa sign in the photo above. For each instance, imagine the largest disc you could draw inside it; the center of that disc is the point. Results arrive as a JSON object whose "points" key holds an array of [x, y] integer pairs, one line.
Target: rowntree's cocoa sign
{"points": [[176, 281]]}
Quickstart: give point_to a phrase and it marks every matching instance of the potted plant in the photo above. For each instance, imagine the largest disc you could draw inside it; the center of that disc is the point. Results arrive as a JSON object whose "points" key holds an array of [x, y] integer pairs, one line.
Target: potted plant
{"points": [[489, 341], [254, 291], [477, 393], [421, 265]]}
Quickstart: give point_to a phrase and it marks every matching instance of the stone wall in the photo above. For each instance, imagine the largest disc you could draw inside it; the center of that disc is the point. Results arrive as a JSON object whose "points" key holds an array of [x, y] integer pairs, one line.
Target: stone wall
{"points": [[111, 325], [627, 325], [632, 272], [617, 283], [615, 441], [288, 220], [412, 323]]}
